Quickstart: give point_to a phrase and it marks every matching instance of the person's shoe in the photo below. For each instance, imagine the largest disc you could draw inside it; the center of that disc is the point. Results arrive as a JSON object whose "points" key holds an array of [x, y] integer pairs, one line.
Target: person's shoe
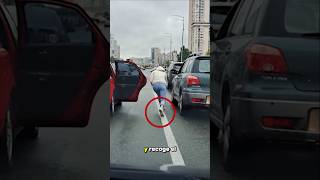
{"points": [[161, 110]]}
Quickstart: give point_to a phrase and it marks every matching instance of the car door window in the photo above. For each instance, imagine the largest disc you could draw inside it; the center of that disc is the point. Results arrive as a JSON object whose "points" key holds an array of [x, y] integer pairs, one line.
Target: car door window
{"points": [[223, 32], [10, 13], [51, 24], [127, 70], [239, 21], [3, 36]]}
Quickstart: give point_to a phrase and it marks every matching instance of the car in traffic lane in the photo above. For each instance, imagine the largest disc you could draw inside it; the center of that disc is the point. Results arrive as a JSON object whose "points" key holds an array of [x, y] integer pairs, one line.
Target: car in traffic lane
{"points": [[190, 87], [48, 78], [265, 75], [172, 70]]}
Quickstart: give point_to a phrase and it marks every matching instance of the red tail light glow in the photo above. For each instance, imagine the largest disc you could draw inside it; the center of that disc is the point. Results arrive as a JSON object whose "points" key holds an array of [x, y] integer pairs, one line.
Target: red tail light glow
{"points": [[276, 122], [264, 58], [193, 81]]}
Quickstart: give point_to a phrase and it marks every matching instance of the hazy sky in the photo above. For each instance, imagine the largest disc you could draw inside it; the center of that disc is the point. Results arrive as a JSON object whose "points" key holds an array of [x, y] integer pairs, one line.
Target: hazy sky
{"points": [[138, 25]]}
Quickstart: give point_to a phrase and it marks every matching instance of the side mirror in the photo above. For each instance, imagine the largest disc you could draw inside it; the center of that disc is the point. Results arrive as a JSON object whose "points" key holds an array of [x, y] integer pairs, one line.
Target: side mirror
{"points": [[4, 55]]}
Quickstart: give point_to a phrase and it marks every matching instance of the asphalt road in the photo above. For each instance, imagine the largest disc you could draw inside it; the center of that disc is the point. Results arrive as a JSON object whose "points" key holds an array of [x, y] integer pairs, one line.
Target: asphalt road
{"points": [[272, 161], [66, 153], [130, 133]]}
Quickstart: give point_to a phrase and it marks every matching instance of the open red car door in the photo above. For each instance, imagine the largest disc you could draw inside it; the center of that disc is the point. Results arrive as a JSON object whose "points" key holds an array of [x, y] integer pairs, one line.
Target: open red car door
{"points": [[63, 59], [129, 81]]}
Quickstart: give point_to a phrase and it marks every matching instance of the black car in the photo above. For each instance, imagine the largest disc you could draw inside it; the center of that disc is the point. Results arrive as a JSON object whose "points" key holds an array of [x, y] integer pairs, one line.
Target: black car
{"points": [[190, 87], [172, 70], [265, 77]]}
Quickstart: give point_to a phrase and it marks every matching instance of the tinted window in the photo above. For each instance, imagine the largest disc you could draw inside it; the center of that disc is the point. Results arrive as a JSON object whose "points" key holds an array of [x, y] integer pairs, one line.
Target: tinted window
{"points": [[291, 18], [237, 27], [219, 18], [3, 37], [55, 24], [11, 15], [302, 16], [201, 66], [127, 69]]}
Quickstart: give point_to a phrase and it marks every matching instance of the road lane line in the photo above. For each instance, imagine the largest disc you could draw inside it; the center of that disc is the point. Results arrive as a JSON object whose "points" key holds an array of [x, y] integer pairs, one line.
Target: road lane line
{"points": [[176, 157]]}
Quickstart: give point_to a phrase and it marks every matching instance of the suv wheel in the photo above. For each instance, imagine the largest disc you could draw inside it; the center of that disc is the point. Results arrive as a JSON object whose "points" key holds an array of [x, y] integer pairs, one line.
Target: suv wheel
{"points": [[229, 153], [174, 101], [6, 144], [214, 131], [181, 106]]}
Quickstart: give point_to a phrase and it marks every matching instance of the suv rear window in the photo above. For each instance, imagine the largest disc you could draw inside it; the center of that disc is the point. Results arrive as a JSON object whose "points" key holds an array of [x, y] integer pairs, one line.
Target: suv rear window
{"points": [[291, 18], [302, 16], [201, 66]]}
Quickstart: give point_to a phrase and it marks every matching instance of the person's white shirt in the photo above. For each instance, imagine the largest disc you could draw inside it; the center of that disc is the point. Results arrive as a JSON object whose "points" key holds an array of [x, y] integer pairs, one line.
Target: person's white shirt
{"points": [[159, 76]]}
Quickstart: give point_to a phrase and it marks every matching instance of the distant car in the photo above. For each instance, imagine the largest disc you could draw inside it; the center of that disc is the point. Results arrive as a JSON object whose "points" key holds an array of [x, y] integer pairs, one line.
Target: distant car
{"points": [[126, 81], [172, 70], [47, 78], [265, 75], [190, 87]]}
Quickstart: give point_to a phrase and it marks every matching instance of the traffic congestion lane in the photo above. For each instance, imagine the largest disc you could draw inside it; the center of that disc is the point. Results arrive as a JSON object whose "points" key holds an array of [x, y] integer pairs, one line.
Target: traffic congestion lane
{"points": [[66, 153], [130, 133]]}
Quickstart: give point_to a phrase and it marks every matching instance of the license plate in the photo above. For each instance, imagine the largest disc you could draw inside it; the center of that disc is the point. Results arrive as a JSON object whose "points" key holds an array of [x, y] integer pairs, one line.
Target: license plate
{"points": [[314, 121], [208, 100]]}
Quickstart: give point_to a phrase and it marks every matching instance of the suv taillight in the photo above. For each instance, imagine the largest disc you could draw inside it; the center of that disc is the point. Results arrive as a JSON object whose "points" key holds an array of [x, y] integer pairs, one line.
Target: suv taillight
{"points": [[193, 81], [264, 58]]}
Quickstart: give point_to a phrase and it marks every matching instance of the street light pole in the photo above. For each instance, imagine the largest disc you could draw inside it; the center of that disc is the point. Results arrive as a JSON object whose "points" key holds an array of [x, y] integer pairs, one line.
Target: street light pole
{"points": [[182, 37], [181, 18]]}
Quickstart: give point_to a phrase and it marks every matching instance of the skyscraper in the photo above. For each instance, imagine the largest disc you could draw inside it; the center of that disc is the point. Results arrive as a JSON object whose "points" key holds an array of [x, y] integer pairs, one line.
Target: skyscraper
{"points": [[199, 24], [156, 55]]}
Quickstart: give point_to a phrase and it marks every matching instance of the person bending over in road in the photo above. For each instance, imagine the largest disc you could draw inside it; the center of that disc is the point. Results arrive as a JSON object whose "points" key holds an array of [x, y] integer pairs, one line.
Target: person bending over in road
{"points": [[159, 82]]}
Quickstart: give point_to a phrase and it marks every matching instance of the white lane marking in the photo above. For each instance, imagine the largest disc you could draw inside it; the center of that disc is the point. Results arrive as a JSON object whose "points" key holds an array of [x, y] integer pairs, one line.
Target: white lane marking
{"points": [[176, 157]]}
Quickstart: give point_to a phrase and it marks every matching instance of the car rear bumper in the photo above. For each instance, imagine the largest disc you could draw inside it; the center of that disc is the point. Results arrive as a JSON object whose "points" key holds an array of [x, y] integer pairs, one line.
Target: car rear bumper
{"points": [[196, 98], [248, 114]]}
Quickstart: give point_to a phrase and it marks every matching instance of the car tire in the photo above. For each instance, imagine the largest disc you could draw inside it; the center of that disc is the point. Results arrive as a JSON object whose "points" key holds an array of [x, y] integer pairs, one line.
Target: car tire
{"points": [[31, 132], [112, 107], [6, 144], [173, 100], [181, 106], [214, 129], [229, 152]]}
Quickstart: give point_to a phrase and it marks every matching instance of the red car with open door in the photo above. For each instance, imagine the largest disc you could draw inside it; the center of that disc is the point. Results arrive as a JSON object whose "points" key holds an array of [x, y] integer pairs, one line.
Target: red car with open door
{"points": [[50, 69], [126, 81]]}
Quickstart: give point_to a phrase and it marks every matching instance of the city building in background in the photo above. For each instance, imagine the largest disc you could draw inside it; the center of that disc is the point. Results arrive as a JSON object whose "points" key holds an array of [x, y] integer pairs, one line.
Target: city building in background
{"points": [[199, 25], [156, 55], [114, 48]]}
